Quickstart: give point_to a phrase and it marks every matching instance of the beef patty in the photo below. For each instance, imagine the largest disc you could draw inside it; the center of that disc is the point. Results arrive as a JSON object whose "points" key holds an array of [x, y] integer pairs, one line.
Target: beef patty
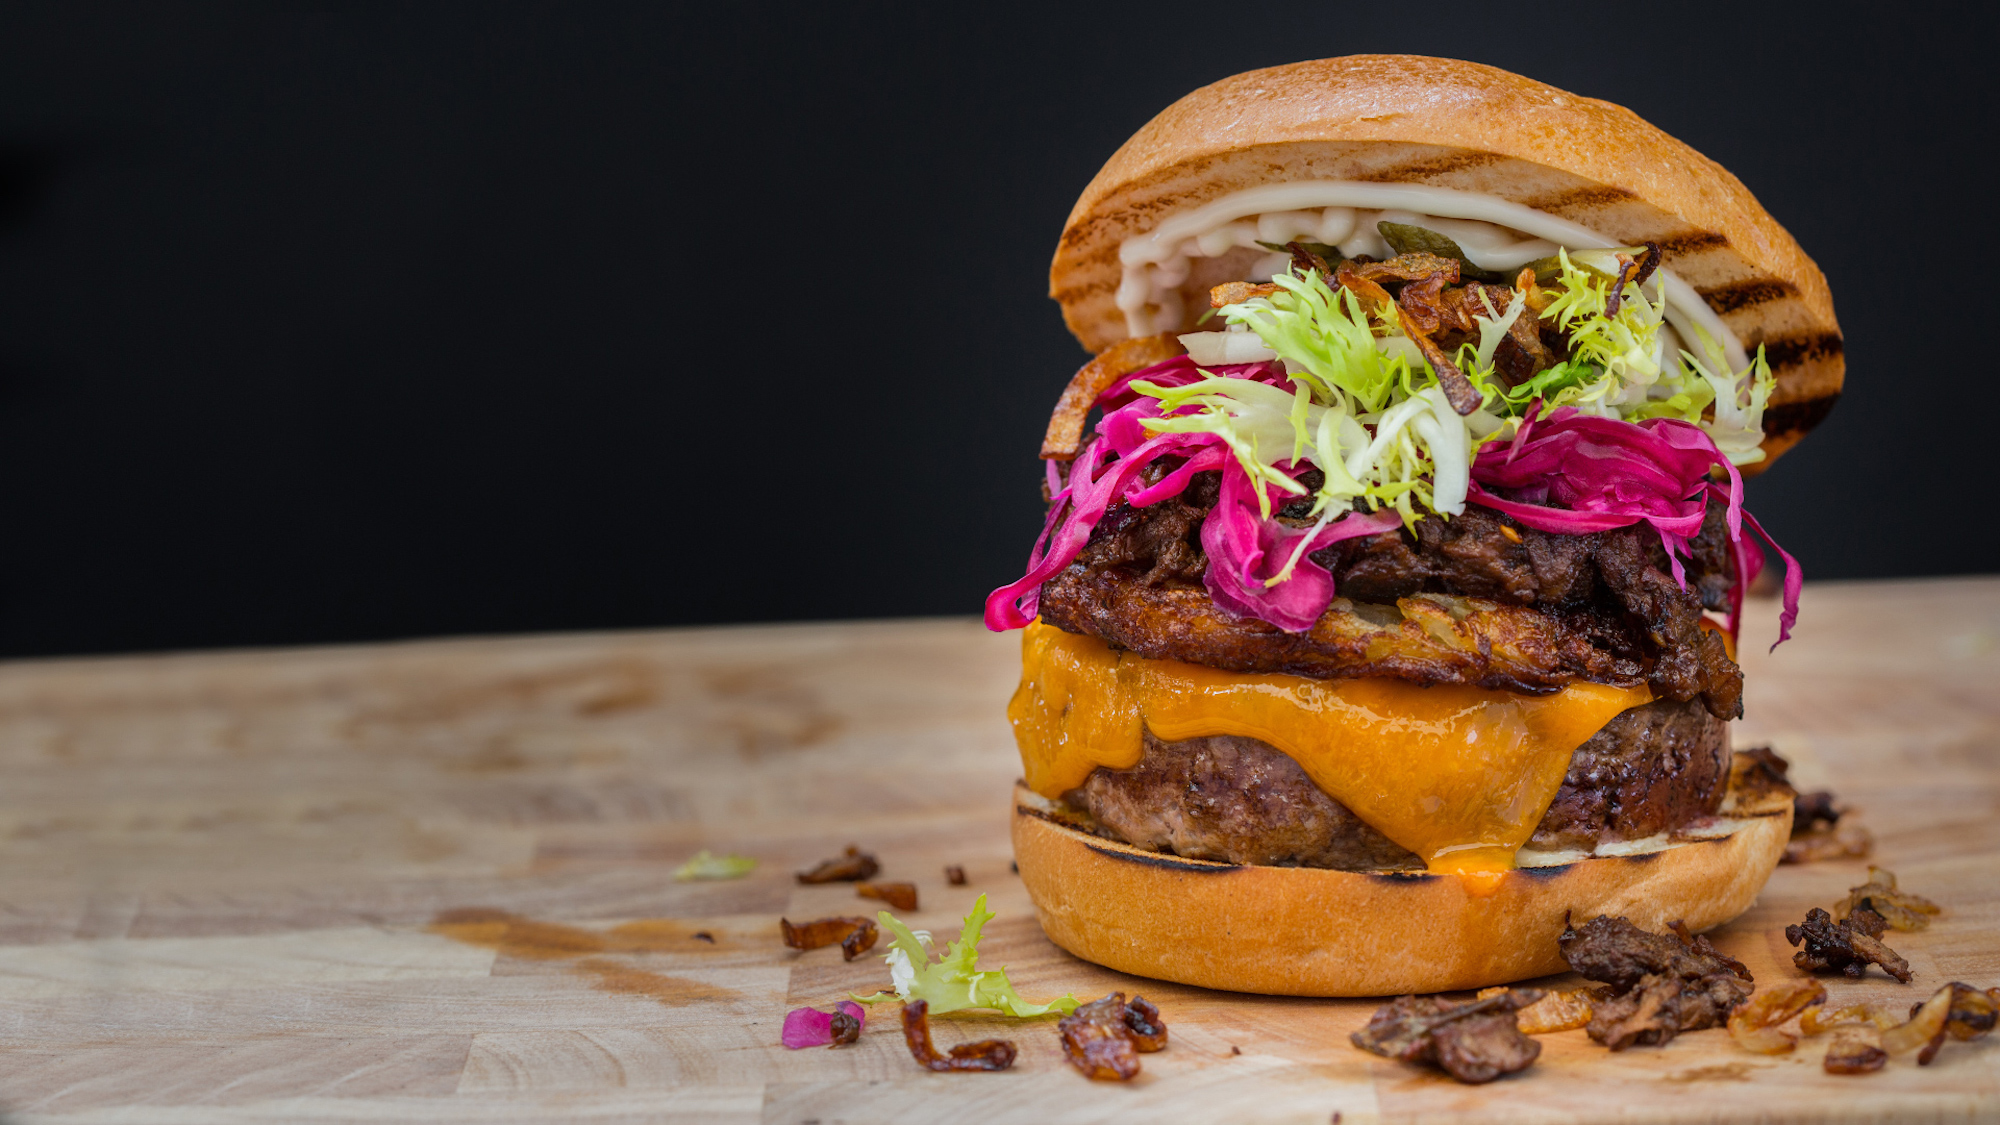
{"points": [[1240, 800]]}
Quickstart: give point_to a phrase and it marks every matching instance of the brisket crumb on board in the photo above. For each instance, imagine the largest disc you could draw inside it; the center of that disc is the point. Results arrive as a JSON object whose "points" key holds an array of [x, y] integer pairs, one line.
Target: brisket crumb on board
{"points": [[1660, 984], [1474, 1041]]}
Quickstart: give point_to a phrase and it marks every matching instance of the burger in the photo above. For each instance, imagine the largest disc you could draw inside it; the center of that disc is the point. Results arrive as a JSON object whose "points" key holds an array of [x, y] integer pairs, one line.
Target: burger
{"points": [[1386, 608]]}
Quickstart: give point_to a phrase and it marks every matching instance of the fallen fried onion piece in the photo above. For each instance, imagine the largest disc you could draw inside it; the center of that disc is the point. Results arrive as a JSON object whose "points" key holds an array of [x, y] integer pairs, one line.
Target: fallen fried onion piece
{"points": [[1845, 945], [1564, 1010], [855, 935], [1810, 810], [1856, 1049], [1973, 1013], [955, 875], [1474, 1041], [987, 1054], [1819, 1020], [1851, 842], [850, 867], [1065, 432], [1901, 909], [1105, 1037], [1754, 1024], [1925, 1030], [902, 896]]}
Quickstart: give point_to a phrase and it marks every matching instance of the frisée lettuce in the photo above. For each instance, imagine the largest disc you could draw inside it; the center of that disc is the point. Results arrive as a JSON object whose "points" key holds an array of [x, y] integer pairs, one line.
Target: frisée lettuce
{"points": [[953, 982]]}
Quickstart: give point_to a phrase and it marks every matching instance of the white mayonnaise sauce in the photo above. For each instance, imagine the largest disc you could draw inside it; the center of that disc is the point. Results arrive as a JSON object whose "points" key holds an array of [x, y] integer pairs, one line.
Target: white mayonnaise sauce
{"points": [[1494, 233]]}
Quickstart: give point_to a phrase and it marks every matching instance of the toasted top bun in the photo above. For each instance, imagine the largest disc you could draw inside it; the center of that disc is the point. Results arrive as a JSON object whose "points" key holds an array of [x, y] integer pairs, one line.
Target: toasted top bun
{"points": [[1412, 119]]}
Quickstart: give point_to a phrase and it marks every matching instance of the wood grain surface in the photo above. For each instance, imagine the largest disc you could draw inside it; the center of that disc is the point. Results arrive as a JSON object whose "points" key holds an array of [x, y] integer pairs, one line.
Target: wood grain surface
{"points": [[431, 882]]}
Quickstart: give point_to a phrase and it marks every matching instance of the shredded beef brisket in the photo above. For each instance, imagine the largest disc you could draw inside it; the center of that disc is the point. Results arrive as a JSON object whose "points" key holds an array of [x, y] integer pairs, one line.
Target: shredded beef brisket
{"points": [[1613, 610], [1652, 769]]}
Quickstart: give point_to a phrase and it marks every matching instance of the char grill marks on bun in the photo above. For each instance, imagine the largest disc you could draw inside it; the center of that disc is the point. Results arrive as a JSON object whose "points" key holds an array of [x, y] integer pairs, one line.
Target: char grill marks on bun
{"points": [[1396, 526]]}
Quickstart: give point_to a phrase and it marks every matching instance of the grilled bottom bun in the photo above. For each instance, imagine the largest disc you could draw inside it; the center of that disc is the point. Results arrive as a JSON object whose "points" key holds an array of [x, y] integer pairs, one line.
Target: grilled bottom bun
{"points": [[1301, 931]]}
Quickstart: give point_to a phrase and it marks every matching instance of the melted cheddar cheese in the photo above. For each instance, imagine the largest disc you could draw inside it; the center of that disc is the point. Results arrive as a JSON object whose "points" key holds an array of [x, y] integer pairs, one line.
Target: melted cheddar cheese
{"points": [[1458, 775]]}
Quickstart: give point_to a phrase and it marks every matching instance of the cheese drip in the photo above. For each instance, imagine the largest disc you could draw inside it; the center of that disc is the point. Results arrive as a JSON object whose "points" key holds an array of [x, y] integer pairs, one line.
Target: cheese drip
{"points": [[1458, 775]]}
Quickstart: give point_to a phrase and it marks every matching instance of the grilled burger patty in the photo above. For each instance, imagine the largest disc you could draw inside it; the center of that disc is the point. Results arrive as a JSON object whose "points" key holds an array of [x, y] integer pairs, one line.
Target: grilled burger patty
{"points": [[1650, 770], [1476, 599]]}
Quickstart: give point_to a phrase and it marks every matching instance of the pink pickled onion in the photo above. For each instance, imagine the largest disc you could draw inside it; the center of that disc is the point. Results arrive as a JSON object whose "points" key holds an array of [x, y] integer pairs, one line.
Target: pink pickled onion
{"points": [[1609, 473], [1107, 472], [810, 1027], [1245, 550]]}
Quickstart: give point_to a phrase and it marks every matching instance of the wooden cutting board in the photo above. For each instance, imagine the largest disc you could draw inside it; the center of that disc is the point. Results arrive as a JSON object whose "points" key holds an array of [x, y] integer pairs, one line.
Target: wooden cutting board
{"points": [[430, 882]]}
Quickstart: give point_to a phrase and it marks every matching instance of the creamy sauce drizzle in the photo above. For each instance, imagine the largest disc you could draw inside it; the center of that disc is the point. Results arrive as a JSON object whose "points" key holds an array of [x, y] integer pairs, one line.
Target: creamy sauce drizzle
{"points": [[1494, 233]]}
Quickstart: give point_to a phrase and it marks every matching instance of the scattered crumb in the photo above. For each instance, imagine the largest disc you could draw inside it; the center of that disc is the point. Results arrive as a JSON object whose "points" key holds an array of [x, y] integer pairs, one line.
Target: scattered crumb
{"points": [[1723, 1072]]}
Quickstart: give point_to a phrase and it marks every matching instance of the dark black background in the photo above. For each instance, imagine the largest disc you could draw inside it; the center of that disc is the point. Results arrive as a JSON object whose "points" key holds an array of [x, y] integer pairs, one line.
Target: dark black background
{"points": [[341, 322]]}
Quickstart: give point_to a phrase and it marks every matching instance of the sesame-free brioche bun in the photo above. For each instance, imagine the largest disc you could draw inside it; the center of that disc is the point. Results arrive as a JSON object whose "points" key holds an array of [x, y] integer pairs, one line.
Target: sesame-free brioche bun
{"points": [[1302, 931], [1446, 123]]}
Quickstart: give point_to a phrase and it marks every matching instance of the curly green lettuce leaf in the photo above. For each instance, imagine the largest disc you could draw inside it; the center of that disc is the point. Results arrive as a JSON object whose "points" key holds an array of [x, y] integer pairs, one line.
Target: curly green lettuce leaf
{"points": [[954, 982], [1355, 410], [1622, 344], [706, 866], [1324, 338], [1550, 383], [1736, 424]]}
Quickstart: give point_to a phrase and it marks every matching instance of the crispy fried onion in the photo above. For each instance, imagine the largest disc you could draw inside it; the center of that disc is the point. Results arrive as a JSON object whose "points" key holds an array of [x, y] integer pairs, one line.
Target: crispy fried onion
{"points": [[1900, 909], [1817, 833], [855, 935], [1846, 945], [1926, 1030], [902, 896], [1418, 311], [845, 1028], [987, 1054], [1558, 1010], [1754, 1024], [1237, 292], [1105, 1037], [1846, 842], [852, 866], [1426, 274], [1856, 1049], [1809, 810], [1065, 433], [1474, 1041], [1857, 1036], [1820, 1020], [1865, 1035], [1973, 1013]]}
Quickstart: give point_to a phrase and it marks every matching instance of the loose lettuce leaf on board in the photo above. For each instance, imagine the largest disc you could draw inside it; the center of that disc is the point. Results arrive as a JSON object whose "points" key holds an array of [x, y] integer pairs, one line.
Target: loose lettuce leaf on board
{"points": [[706, 866], [954, 982]]}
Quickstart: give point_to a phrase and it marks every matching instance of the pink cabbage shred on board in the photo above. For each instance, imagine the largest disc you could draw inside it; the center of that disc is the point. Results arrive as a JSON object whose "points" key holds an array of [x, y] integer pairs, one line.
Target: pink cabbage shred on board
{"points": [[810, 1027], [1602, 472]]}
